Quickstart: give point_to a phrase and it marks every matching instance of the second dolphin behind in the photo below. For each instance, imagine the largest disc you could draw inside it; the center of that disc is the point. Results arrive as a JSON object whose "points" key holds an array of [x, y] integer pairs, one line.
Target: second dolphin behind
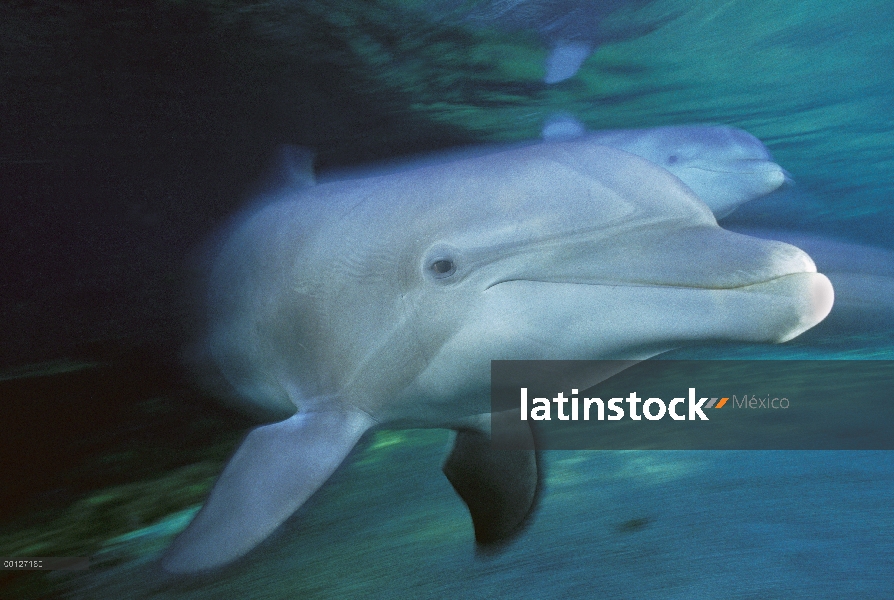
{"points": [[725, 166]]}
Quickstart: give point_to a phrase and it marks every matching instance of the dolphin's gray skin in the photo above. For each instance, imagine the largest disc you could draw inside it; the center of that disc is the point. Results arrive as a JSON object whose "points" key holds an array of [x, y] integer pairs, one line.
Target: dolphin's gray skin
{"points": [[863, 277], [725, 167], [381, 302]]}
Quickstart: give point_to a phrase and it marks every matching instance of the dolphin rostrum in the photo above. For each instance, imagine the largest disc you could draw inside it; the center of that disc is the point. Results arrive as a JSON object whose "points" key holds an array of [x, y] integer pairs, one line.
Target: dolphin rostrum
{"points": [[380, 302], [725, 167], [863, 277]]}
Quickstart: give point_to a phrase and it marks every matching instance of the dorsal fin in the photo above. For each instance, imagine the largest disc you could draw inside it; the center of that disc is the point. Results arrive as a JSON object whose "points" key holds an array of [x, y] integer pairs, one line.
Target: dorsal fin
{"points": [[295, 165], [565, 59], [561, 127]]}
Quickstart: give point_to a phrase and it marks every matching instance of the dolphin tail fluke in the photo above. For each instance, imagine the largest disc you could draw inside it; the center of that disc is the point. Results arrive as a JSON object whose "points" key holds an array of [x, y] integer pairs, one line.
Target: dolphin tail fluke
{"points": [[500, 487], [275, 470]]}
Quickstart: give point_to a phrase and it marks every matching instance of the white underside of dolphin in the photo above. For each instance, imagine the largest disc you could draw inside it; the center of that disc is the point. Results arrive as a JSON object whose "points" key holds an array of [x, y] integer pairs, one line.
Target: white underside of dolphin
{"points": [[380, 302]]}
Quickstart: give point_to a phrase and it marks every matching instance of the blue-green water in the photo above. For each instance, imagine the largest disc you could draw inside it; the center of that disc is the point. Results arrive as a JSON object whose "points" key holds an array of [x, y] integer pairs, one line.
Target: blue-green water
{"points": [[814, 81], [611, 525]]}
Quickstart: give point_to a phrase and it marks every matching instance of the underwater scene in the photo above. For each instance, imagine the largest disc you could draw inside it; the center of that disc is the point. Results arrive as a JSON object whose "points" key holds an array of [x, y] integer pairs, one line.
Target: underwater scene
{"points": [[259, 256]]}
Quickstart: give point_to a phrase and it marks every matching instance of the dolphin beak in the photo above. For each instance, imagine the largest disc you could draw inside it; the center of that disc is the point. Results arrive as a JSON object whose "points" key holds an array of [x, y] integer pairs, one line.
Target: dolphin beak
{"points": [[714, 258], [700, 283], [702, 257], [772, 173]]}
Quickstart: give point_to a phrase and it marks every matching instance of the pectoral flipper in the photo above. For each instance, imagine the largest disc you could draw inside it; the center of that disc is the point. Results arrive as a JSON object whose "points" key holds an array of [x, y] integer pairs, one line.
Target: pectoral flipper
{"points": [[275, 470], [500, 487]]}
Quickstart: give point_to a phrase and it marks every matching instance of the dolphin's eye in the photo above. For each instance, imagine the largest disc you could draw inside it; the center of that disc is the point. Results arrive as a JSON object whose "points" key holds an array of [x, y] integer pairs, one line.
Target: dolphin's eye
{"points": [[672, 159], [440, 264], [442, 268]]}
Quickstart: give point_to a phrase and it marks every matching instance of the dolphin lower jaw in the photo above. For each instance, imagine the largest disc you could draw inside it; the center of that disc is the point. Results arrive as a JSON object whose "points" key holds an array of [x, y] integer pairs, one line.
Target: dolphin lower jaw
{"points": [[638, 319], [807, 296], [766, 177]]}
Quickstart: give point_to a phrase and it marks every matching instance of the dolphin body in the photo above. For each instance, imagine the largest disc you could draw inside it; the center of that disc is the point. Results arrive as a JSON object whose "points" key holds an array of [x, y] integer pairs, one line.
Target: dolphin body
{"points": [[725, 167], [380, 302]]}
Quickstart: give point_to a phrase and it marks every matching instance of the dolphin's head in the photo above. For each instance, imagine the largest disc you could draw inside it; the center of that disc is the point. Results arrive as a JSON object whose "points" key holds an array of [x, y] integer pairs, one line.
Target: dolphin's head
{"points": [[724, 166], [559, 251], [418, 279]]}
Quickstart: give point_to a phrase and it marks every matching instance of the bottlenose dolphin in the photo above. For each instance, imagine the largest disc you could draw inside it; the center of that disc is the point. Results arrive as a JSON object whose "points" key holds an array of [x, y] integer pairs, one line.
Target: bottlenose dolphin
{"points": [[725, 167], [380, 302]]}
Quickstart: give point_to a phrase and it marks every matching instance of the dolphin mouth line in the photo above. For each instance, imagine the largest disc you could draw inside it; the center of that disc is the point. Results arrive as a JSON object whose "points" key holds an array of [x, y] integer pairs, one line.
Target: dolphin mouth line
{"points": [[738, 171], [653, 285]]}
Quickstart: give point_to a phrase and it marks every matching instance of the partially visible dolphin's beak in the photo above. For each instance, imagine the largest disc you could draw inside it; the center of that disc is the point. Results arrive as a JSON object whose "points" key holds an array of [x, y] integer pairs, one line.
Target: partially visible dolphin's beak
{"points": [[726, 185]]}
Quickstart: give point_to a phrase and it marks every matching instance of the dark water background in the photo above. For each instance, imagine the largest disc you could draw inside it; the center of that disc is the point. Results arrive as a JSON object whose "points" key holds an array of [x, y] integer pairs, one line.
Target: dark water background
{"points": [[129, 130]]}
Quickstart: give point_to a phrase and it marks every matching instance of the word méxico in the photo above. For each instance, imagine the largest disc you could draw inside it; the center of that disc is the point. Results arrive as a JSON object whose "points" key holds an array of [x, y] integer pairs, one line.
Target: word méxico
{"points": [[653, 409], [756, 402]]}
